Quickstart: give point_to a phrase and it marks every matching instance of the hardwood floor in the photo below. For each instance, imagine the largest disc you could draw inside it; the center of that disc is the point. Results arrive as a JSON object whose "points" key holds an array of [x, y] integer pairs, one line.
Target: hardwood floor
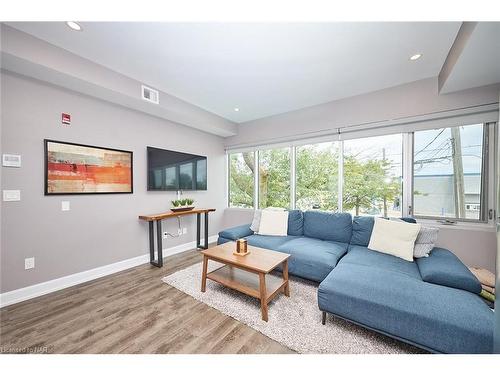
{"points": [[128, 312]]}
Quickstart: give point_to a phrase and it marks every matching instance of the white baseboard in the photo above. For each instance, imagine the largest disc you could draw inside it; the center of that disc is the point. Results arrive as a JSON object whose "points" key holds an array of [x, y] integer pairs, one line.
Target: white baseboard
{"points": [[32, 291]]}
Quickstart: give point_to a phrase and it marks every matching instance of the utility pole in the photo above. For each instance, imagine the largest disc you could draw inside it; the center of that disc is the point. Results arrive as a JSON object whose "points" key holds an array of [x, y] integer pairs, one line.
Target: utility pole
{"points": [[458, 172]]}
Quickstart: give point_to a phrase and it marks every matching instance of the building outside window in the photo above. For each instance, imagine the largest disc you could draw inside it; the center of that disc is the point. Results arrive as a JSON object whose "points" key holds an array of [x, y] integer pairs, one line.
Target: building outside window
{"points": [[448, 172]]}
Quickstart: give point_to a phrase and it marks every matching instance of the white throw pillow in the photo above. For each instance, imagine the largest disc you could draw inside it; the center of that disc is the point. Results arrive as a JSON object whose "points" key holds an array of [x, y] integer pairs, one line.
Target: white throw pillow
{"points": [[256, 221], [256, 218], [273, 223], [394, 238]]}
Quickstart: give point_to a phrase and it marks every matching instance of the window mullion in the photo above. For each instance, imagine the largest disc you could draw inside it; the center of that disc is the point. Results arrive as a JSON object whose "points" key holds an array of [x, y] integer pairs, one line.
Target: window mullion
{"points": [[256, 179], [228, 176], [293, 173], [407, 204], [340, 175]]}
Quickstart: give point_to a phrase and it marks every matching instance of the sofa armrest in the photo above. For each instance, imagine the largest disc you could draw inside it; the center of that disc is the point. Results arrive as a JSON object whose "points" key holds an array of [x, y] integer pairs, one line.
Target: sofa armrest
{"points": [[444, 268], [235, 233]]}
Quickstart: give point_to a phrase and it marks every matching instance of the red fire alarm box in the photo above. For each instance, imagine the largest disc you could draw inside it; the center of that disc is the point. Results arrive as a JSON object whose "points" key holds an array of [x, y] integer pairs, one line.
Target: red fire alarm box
{"points": [[66, 118]]}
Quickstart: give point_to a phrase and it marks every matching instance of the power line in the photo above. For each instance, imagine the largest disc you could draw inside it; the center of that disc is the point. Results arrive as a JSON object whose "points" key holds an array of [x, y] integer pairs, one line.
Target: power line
{"points": [[428, 144]]}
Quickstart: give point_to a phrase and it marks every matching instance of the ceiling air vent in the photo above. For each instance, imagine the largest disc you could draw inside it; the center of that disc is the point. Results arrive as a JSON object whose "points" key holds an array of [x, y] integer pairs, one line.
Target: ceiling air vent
{"points": [[150, 95]]}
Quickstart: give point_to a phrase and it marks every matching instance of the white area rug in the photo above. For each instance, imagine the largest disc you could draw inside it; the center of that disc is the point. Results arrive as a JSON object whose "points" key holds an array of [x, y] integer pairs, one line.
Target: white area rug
{"points": [[295, 322]]}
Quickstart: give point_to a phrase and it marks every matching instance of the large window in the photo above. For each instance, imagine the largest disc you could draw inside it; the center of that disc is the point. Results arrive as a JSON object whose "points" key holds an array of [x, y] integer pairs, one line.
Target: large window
{"points": [[317, 176], [274, 178], [373, 170], [448, 172], [241, 179], [445, 175]]}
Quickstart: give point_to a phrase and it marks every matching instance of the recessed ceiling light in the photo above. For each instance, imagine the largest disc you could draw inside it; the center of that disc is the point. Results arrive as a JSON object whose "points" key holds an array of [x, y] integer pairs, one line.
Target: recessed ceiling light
{"points": [[236, 109], [74, 25], [416, 57]]}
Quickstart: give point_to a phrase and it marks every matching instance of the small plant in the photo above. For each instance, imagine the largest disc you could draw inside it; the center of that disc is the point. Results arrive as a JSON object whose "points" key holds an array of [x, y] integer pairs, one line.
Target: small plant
{"points": [[182, 202]]}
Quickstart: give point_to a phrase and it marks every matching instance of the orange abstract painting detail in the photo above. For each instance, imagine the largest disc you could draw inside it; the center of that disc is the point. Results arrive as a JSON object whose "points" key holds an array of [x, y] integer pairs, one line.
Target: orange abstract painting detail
{"points": [[73, 169]]}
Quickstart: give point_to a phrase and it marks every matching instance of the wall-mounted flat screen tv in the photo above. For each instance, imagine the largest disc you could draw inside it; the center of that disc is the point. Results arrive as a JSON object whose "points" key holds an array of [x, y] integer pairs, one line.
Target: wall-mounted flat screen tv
{"points": [[172, 170]]}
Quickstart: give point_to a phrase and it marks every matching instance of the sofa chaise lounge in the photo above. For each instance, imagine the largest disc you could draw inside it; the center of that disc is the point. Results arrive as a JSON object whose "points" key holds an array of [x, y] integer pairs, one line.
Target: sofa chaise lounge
{"points": [[432, 302]]}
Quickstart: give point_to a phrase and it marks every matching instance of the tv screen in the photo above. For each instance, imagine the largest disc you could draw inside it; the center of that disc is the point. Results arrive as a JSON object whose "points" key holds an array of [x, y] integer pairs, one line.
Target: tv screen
{"points": [[172, 170]]}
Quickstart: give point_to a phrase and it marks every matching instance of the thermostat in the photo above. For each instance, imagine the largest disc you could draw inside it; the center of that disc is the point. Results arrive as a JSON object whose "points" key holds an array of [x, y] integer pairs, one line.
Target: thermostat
{"points": [[10, 160]]}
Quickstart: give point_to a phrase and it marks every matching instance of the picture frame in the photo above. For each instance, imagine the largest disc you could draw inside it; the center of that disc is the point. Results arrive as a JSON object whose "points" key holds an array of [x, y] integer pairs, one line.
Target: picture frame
{"points": [[77, 169]]}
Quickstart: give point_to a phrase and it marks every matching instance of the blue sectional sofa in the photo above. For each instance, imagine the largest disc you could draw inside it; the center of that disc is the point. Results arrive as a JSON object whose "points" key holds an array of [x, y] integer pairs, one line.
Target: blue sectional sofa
{"points": [[432, 302]]}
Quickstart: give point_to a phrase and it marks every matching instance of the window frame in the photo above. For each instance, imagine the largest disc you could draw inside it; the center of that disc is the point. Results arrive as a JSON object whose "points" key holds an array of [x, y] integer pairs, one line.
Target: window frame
{"points": [[408, 144], [403, 211], [228, 180], [291, 154], [484, 198], [340, 166]]}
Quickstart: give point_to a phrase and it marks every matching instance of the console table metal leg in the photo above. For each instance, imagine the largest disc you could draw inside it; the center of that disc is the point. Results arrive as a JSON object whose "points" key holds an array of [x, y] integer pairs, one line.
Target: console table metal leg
{"points": [[198, 228], [151, 242], [206, 230], [159, 243], [159, 262], [198, 232]]}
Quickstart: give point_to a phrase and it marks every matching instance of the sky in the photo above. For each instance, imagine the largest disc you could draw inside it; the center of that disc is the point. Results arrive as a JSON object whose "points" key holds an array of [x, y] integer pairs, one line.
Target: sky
{"points": [[433, 149]]}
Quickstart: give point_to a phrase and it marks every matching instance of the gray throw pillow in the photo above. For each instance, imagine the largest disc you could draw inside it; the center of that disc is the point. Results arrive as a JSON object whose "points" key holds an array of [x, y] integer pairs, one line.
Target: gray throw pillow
{"points": [[256, 221], [425, 241]]}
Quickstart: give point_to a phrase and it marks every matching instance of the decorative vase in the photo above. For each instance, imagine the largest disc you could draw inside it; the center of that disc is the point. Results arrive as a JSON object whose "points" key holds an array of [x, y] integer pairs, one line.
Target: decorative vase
{"points": [[241, 247]]}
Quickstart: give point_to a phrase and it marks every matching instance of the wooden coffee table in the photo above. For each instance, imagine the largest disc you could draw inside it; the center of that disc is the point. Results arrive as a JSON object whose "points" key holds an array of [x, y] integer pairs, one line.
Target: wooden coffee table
{"points": [[247, 274]]}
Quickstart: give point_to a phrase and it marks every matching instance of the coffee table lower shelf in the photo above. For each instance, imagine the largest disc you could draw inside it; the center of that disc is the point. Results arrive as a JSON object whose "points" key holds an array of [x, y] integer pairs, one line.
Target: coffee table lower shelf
{"points": [[250, 283], [247, 282]]}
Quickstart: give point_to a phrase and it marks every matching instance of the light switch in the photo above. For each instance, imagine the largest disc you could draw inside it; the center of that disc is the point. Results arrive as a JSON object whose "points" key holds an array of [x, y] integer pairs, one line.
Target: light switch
{"points": [[65, 206], [11, 195], [29, 263]]}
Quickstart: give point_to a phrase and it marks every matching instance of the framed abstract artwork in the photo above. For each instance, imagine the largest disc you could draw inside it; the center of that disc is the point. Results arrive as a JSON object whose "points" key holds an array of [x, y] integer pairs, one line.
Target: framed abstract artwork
{"points": [[72, 168]]}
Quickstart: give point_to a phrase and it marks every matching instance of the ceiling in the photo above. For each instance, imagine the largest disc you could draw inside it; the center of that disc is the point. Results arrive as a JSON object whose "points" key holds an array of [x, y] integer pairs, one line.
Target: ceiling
{"points": [[479, 62], [262, 69]]}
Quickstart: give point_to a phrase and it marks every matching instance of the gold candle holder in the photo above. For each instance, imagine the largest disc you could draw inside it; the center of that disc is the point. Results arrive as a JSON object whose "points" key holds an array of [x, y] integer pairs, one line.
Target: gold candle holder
{"points": [[241, 247]]}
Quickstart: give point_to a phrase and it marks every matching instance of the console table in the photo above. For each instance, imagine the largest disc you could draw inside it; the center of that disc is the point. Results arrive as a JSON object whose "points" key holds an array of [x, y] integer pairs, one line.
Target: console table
{"points": [[151, 219]]}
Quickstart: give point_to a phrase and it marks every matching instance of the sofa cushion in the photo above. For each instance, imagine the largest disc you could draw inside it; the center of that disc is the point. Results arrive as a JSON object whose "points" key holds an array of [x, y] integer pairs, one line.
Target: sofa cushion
{"points": [[328, 226], [409, 219], [311, 258], [361, 255], [362, 227], [268, 242], [444, 268], [295, 223], [433, 316], [235, 233], [222, 240]]}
